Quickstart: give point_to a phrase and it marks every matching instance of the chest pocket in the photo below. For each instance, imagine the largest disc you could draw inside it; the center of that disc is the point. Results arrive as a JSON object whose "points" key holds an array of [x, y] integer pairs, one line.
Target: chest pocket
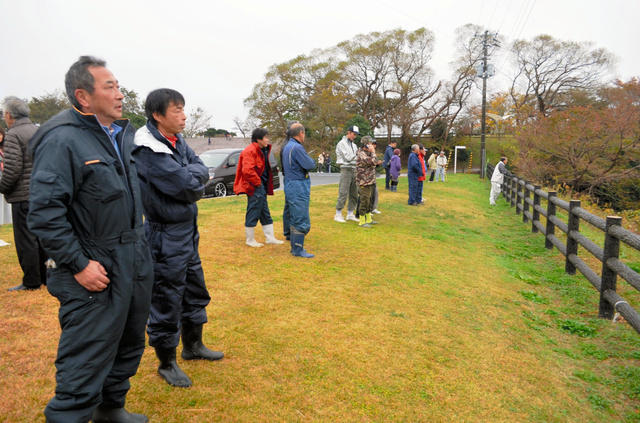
{"points": [[102, 180]]}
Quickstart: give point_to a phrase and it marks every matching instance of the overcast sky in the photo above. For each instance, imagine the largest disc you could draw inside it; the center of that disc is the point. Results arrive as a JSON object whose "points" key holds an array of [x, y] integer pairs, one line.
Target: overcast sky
{"points": [[215, 51]]}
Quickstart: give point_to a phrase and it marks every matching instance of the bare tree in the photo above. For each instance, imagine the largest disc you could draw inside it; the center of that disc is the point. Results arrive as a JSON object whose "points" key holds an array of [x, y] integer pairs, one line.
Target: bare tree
{"points": [[245, 126], [547, 69], [197, 122]]}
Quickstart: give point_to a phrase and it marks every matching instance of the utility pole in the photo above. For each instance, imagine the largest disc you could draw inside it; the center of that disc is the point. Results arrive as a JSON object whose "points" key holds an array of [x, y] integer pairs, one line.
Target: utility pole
{"points": [[483, 150], [486, 72]]}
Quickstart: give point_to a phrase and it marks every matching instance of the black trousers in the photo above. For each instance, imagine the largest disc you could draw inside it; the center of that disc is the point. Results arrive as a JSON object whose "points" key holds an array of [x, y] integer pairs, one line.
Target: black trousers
{"points": [[102, 337], [257, 209], [30, 254], [179, 291], [387, 177]]}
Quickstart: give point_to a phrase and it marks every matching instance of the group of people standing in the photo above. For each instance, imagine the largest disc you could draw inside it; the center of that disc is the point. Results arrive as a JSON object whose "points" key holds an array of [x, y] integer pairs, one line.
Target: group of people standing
{"points": [[417, 170], [79, 186], [324, 162], [85, 179], [254, 178]]}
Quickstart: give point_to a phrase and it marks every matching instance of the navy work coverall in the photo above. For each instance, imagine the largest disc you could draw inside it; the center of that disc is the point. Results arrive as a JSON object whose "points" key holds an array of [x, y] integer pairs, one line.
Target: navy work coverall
{"points": [[296, 165], [414, 168], [172, 180], [85, 204]]}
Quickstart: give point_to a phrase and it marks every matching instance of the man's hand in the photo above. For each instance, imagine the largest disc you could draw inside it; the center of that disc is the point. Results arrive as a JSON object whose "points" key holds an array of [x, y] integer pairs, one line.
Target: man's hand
{"points": [[93, 277]]}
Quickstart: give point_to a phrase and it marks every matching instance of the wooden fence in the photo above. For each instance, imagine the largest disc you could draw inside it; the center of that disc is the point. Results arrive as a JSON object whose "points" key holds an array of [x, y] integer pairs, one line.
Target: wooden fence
{"points": [[526, 198]]}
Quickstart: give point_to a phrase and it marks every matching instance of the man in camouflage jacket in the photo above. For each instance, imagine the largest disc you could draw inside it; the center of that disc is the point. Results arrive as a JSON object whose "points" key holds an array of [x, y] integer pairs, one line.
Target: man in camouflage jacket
{"points": [[366, 162]]}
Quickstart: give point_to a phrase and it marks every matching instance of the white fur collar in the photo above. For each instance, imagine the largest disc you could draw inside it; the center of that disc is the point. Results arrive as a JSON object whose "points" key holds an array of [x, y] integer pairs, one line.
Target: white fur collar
{"points": [[145, 138]]}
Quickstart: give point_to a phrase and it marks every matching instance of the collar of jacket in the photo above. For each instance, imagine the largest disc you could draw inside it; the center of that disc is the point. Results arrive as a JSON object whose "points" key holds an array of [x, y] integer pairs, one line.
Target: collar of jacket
{"points": [[155, 132], [92, 121], [257, 149], [71, 117], [21, 121], [145, 138]]}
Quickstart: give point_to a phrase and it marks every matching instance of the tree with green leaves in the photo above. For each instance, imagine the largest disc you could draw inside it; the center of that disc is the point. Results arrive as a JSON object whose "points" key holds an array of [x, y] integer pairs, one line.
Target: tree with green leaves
{"points": [[132, 108], [46, 106]]}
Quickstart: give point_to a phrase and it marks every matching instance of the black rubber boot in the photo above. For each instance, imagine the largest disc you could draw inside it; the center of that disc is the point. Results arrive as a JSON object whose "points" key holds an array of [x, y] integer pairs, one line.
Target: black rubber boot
{"points": [[116, 415], [192, 346], [169, 369]]}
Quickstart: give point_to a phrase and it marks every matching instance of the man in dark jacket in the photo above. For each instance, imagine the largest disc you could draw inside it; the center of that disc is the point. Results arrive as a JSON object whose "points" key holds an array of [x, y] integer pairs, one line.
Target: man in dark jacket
{"points": [[14, 184], [386, 163], [414, 172], [86, 209], [172, 179], [254, 178]]}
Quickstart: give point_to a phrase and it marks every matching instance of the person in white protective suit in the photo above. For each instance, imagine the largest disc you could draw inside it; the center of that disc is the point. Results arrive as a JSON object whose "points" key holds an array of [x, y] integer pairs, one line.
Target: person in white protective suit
{"points": [[496, 180]]}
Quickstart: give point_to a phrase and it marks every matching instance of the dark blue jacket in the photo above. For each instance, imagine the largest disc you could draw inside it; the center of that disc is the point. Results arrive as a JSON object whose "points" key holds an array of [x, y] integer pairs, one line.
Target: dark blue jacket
{"points": [[82, 195], [388, 154], [171, 179], [414, 166], [296, 163]]}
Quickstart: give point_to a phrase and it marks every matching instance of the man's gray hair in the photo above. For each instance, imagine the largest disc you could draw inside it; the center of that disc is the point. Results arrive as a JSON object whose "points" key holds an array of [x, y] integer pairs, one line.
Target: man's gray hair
{"points": [[79, 77], [296, 129], [16, 107], [414, 147]]}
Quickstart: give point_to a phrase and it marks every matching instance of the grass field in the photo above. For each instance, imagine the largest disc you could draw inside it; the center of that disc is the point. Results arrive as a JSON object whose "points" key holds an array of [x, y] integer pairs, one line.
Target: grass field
{"points": [[452, 312]]}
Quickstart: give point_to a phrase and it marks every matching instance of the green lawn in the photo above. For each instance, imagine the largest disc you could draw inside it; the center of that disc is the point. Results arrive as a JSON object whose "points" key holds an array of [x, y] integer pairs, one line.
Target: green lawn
{"points": [[450, 312]]}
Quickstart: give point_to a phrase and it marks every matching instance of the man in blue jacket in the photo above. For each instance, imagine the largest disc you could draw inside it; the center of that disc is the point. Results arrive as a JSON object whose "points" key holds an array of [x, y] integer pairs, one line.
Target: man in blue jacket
{"points": [[386, 163], [414, 171], [85, 208], [172, 179], [297, 188]]}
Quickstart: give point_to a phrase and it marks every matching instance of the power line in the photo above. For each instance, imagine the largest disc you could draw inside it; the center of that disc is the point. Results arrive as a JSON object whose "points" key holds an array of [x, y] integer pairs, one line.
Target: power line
{"points": [[504, 17], [524, 24], [493, 13], [520, 16]]}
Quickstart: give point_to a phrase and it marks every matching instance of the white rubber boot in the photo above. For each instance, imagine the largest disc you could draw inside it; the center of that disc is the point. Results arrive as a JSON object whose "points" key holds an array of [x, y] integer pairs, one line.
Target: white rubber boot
{"points": [[251, 238], [351, 216], [338, 217], [269, 236]]}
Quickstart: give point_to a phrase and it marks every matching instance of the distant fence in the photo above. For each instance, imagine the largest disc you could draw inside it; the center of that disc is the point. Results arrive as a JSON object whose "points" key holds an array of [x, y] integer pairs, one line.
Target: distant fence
{"points": [[526, 198]]}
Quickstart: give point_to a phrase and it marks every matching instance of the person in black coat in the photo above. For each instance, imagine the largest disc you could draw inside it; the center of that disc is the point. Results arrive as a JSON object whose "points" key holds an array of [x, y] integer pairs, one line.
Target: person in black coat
{"points": [[85, 208], [172, 179]]}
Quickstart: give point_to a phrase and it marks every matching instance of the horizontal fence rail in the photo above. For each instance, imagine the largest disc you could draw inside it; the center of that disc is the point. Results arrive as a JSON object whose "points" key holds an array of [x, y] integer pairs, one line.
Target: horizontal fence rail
{"points": [[526, 198]]}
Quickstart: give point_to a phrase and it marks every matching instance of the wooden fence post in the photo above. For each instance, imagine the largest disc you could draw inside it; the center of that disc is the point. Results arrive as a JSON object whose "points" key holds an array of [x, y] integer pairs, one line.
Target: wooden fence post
{"points": [[572, 244], [525, 204], [518, 192], [536, 213], [611, 250], [512, 198], [505, 187], [551, 228]]}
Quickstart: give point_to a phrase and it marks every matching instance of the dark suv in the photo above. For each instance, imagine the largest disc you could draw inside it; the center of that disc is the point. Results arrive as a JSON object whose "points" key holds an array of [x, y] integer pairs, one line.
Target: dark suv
{"points": [[222, 164]]}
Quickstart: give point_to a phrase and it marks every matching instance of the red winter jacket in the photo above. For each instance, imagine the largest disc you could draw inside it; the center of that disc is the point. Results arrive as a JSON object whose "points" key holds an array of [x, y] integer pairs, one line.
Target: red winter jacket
{"points": [[424, 168], [250, 166]]}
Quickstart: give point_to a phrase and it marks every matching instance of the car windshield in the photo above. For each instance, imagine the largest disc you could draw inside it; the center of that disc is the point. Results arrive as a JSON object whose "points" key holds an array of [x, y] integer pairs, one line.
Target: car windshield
{"points": [[212, 159]]}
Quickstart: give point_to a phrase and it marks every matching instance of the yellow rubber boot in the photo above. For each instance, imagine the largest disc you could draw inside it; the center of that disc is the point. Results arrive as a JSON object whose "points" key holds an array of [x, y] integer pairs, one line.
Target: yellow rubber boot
{"points": [[362, 220]]}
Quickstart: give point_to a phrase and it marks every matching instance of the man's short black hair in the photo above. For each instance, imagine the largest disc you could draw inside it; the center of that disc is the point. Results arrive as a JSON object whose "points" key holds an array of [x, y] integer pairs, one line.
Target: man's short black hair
{"points": [[158, 101], [258, 134], [79, 77]]}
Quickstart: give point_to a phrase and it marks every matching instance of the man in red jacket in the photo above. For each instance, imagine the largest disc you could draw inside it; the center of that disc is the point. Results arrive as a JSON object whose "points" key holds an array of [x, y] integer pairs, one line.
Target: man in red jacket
{"points": [[254, 178]]}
